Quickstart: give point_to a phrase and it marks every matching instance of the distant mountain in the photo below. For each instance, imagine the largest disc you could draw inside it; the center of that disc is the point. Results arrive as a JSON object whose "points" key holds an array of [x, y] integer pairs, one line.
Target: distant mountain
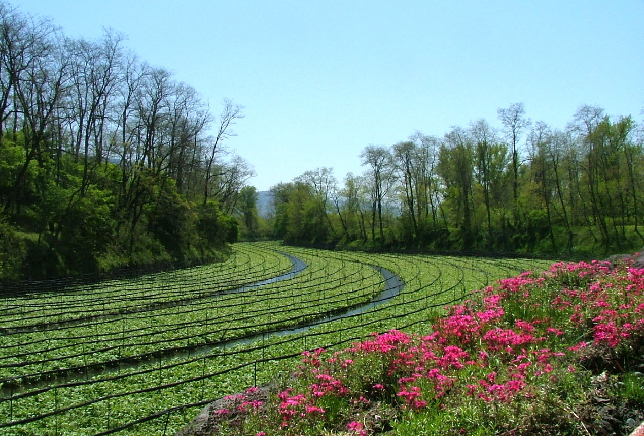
{"points": [[265, 204]]}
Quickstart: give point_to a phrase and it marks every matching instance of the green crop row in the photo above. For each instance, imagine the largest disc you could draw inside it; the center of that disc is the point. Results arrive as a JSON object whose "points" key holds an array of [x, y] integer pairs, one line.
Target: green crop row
{"points": [[43, 310]]}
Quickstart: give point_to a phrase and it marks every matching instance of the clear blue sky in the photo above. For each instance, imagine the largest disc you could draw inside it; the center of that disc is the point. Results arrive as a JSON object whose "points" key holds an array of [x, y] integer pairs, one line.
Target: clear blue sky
{"points": [[321, 80]]}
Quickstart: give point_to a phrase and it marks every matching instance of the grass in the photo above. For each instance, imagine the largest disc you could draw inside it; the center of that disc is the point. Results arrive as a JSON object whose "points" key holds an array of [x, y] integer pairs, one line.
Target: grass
{"points": [[559, 352]]}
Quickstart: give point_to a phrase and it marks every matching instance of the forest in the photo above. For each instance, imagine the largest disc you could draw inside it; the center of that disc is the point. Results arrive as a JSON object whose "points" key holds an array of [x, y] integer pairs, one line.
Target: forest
{"points": [[524, 188], [106, 162]]}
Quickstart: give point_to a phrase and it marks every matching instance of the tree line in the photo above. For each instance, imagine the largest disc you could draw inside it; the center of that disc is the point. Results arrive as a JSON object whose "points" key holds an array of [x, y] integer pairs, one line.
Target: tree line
{"points": [[524, 187], [105, 160]]}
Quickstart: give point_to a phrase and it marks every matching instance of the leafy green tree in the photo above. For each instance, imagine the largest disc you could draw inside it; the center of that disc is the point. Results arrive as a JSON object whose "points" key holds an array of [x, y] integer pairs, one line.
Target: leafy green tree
{"points": [[324, 185], [349, 205], [634, 159], [300, 216], [455, 167], [214, 227], [247, 209]]}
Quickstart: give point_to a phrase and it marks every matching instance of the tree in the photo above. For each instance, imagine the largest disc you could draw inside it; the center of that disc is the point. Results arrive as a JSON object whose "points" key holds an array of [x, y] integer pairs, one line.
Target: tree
{"points": [[610, 176], [324, 185], [231, 177], [405, 161], [38, 73], [349, 207], [95, 78], [539, 139], [230, 113], [514, 123], [427, 185], [100, 152], [490, 162], [247, 208], [634, 156], [298, 216], [558, 143], [379, 174], [455, 167], [187, 124]]}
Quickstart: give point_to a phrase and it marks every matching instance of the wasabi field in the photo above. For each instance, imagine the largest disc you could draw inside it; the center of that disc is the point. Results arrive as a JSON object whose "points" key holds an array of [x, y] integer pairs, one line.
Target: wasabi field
{"points": [[144, 354]]}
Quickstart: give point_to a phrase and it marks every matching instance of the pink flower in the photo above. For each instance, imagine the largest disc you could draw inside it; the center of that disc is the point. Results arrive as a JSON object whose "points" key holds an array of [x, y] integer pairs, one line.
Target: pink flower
{"points": [[554, 331], [356, 428], [607, 333], [310, 410], [524, 326], [578, 347], [247, 406]]}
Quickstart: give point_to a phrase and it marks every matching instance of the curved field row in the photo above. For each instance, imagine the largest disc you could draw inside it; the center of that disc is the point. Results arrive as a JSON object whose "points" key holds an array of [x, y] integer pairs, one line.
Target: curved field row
{"points": [[157, 391], [38, 309]]}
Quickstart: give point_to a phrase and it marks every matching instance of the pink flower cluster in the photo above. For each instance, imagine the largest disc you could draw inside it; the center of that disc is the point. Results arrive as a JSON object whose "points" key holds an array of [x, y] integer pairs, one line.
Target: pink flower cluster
{"points": [[481, 349], [356, 428], [611, 303]]}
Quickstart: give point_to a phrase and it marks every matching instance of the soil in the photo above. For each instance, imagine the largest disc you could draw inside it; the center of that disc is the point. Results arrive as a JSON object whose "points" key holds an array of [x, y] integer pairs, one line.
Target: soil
{"points": [[605, 415]]}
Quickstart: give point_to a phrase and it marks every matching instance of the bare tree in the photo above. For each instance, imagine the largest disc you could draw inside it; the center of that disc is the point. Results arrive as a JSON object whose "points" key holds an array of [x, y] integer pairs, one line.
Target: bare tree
{"points": [[406, 163], [40, 79], [539, 139], [380, 174], [229, 115], [231, 177], [514, 123], [96, 74], [427, 189], [188, 120]]}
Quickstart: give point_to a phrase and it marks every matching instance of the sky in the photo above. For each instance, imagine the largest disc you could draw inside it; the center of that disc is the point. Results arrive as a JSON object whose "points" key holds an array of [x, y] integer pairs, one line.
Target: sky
{"points": [[322, 80]]}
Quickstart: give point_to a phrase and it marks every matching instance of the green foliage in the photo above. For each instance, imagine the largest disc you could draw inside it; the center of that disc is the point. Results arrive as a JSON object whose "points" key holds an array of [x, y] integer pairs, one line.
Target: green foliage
{"points": [[632, 387], [170, 220], [67, 222], [247, 210], [12, 157], [434, 422], [11, 251], [214, 226], [300, 215], [104, 159], [538, 190]]}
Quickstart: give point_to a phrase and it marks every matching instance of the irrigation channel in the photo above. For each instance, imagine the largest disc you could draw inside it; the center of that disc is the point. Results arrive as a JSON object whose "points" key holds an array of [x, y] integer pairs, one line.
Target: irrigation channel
{"points": [[144, 355]]}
